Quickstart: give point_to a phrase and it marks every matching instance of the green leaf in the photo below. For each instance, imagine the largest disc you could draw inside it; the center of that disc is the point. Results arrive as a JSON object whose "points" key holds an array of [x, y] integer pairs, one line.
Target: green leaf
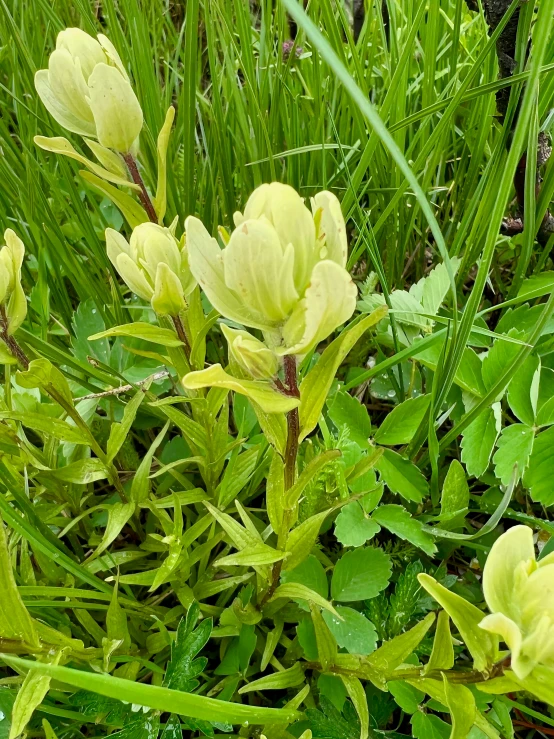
{"points": [[461, 703], [353, 528], [308, 474], [329, 723], [482, 646], [133, 213], [141, 484], [500, 356], [442, 656], [158, 697], [15, 621], [296, 591], [539, 475], [405, 695], [360, 575], [346, 411], [120, 431], [428, 726], [478, 441], [238, 472], [184, 665], [402, 422], [302, 539], [393, 653], [309, 573], [277, 681], [118, 515], [51, 426], [396, 519], [315, 387], [523, 390], [455, 491], [515, 445], [160, 201], [32, 692], [275, 492], [355, 632], [402, 477], [81, 472], [536, 286], [144, 331], [359, 699], [261, 392]]}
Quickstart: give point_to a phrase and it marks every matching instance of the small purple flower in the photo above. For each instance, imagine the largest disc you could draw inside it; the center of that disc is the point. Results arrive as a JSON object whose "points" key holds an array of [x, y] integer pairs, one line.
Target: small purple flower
{"points": [[287, 49]]}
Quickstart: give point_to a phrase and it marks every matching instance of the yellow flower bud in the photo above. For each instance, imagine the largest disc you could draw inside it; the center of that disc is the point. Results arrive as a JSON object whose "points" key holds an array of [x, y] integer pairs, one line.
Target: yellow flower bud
{"points": [[250, 354], [154, 265], [87, 90], [12, 297], [283, 269], [520, 595]]}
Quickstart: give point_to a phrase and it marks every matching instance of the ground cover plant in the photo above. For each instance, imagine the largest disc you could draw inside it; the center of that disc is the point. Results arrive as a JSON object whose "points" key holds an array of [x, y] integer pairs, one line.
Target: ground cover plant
{"points": [[276, 416]]}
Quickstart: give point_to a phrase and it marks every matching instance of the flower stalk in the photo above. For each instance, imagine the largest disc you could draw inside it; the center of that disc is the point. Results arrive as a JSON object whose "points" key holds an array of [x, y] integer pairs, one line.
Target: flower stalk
{"points": [[144, 197]]}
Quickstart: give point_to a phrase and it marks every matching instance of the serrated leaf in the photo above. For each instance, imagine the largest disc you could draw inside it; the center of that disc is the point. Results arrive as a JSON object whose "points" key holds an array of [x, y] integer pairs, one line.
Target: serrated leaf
{"points": [[523, 390], [184, 666], [540, 472], [355, 632], [397, 520], [402, 422], [309, 573], [360, 575], [330, 723], [478, 441], [353, 528], [402, 476], [346, 411], [515, 445], [428, 726]]}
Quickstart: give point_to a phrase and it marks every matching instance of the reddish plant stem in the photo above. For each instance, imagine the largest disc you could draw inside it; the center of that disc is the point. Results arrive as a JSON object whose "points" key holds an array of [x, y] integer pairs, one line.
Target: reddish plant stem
{"points": [[143, 194], [10, 342], [180, 329], [289, 387]]}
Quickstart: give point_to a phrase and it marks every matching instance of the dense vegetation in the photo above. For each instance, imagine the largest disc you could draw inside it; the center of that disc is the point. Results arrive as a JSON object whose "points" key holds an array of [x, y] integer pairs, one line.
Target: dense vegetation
{"points": [[301, 486]]}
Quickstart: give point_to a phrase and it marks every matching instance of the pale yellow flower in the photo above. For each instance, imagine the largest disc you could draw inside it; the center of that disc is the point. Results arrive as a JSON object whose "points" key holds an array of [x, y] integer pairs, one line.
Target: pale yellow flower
{"points": [[520, 595], [87, 90]]}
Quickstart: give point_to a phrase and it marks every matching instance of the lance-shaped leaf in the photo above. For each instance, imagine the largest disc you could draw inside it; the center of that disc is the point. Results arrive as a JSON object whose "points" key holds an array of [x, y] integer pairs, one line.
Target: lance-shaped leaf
{"points": [[15, 621], [160, 201], [315, 387], [359, 699], [482, 646], [60, 145], [262, 393], [461, 704], [295, 590], [394, 652], [277, 681], [159, 698], [141, 330], [442, 656], [302, 539], [133, 213]]}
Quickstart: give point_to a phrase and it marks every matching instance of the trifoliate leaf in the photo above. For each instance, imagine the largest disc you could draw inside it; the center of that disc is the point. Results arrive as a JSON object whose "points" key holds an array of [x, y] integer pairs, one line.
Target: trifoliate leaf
{"points": [[396, 519], [353, 527]]}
